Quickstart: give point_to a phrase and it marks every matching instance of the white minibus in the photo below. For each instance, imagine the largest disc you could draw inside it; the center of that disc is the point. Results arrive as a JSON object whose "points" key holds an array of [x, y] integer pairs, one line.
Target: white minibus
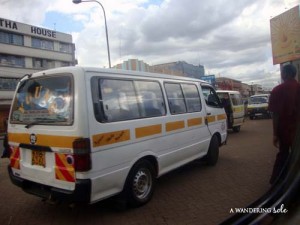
{"points": [[85, 134]]}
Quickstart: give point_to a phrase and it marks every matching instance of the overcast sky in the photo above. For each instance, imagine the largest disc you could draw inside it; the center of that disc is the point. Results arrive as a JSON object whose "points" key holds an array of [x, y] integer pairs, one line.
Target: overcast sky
{"points": [[230, 38]]}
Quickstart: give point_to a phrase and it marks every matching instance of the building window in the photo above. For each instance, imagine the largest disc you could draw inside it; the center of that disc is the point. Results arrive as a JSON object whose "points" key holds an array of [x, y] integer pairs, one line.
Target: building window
{"points": [[8, 84], [12, 61], [42, 44], [11, 38], [63, 64], [42, 63], [63, 47]]}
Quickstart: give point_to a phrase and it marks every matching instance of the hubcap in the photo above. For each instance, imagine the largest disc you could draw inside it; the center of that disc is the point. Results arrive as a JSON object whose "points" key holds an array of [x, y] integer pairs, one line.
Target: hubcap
{"points": [[142, 183]]}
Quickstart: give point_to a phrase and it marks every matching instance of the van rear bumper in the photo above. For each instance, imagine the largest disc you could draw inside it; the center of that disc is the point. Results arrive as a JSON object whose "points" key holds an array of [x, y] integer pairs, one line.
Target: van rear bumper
{"points": [[81, 193]]}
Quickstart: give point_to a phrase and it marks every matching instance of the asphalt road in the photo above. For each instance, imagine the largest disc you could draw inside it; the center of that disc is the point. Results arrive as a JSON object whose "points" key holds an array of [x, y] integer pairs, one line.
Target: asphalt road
{"points": [[193, 194]]}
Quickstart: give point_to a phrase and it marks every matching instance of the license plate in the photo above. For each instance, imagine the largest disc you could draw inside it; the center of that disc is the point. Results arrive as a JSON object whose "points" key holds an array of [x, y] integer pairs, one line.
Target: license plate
{"points": [[38, 158], [258, 114]]}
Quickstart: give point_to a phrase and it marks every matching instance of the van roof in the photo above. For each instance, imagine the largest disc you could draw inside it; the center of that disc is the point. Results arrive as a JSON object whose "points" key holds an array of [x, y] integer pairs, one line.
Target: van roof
{"points": [[260, 95], [228, 91], [116, 71]]}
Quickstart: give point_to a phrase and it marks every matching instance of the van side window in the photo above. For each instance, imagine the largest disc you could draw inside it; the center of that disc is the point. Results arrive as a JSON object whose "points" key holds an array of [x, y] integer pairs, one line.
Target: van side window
{"points": [[119, 101], [192, 97], [236, 99], [211, 97], [150, 98], [175, 98]]}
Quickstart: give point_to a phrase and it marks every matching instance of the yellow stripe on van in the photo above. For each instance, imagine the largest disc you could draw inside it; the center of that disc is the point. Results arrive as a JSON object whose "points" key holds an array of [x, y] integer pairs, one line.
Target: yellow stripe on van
{"points": [[238, 109], [221, 117], [111, 138], [211, 119], [43, 139], [174, 125], [148, 130], [194, 122]]}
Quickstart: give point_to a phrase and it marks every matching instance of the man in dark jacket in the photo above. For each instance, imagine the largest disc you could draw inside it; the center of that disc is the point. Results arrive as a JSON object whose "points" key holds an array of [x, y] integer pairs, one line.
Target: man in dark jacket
{"points": [[284, 103], [6, 151]]}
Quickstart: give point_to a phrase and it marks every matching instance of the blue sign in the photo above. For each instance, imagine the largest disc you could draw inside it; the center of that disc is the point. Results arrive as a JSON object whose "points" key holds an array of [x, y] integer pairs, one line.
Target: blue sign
{"points": [[210, 79]]}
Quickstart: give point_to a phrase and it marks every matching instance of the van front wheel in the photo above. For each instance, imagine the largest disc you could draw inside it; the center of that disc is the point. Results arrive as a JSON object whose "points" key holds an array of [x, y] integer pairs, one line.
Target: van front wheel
{"points": [[213, 152], [140, 183]]}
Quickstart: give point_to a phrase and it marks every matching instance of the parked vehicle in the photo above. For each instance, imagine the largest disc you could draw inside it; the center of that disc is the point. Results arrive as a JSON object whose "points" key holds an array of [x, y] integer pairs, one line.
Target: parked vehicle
{"points": [[234, 108], [85, 134], [258, 106]]}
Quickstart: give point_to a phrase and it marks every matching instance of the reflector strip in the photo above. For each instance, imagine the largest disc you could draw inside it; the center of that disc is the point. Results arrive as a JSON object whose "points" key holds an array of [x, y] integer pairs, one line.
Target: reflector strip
{"points": [[15, 158], [141, 132], [43, 139], [64, 170], [171, 126], [111, 137], [211, 119], [238, 109], [194, 122], [221, 117]]}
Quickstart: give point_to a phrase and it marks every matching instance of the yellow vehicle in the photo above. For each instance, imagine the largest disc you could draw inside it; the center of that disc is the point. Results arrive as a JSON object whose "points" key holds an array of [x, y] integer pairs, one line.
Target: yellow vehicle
{"points": [[234, 107], [258, 106]]}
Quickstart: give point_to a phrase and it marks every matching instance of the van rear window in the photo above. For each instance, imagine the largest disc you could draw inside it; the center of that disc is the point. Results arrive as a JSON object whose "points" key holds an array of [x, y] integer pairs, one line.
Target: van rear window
{"points": [[44, 100]]}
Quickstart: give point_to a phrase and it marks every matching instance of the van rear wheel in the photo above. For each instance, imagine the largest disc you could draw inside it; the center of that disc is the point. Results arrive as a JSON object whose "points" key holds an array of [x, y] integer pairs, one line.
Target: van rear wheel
{"points": [[212, 155], [140, 183]]}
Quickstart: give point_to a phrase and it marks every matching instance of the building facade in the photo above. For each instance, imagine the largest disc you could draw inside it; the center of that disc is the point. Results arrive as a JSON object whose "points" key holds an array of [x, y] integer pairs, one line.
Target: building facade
{"points": [[134, 64], [25, 49], [246, 90], [180, 68], [224, 83]]}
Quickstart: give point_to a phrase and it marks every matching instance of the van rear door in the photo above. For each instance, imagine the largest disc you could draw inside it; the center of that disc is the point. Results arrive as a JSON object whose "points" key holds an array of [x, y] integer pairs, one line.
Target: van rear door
{"points": [[41, 151]]}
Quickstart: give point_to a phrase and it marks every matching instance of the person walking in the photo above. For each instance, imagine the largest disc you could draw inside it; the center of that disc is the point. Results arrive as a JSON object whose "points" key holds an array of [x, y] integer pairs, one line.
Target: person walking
{"points": [[6, 151], [285, 106]]}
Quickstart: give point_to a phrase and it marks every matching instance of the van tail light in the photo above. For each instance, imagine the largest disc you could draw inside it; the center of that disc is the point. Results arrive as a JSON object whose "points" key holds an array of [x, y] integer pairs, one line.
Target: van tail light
{"points": [[82, 154], [15, 157]]}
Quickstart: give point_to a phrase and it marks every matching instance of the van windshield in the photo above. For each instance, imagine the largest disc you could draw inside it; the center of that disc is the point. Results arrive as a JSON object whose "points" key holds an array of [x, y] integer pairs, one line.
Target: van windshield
{"points": [[45, 100], [258, 100]]}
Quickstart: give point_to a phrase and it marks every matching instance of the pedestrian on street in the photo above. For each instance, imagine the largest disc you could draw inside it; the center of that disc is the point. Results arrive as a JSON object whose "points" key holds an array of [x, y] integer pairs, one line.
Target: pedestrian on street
{"points": [[6, 151], [285, 106]]}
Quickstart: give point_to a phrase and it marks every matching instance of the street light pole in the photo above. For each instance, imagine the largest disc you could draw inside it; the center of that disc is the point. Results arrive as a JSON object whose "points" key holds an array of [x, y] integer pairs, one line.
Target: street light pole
{"points": [[106, 32]]}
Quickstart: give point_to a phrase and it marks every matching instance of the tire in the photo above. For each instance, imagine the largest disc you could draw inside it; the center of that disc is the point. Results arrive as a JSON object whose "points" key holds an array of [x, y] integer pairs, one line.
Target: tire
{"points": [[140, 184], [251, 117], [213, 152], [236, 129]]}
